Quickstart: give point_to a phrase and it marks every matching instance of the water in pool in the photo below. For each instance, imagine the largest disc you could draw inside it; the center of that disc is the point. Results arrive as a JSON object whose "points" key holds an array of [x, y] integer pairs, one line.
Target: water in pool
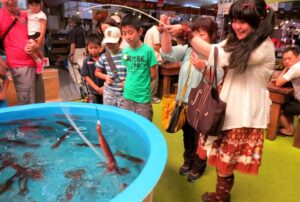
{"points": [[44, 159]]}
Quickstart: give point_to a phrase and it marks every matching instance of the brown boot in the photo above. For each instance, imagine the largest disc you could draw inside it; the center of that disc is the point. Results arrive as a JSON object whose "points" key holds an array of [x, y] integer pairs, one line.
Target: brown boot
{"points": [[222, 194]]}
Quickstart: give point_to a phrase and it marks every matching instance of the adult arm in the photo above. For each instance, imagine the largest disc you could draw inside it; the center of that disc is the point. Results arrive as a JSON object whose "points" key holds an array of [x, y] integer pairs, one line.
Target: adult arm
{"points": [[166, 38], [3, 92], [72, 51], [153, 72], [3, 66], [72, 45], [280, 81], [199, 45], [288, 74], [31, 46]]}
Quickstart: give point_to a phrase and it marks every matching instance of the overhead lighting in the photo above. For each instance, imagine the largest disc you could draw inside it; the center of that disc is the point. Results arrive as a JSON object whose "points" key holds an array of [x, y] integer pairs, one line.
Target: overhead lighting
{"points": [[189, 5]]}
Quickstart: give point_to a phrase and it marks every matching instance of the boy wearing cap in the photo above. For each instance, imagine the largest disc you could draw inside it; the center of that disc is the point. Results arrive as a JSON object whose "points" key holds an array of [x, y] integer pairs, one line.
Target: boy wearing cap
{"points": [[111, 63], [140, 61]]}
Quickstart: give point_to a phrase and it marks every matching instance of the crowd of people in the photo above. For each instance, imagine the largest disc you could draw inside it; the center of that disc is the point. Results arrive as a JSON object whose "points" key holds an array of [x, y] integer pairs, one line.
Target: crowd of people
{"points": [[121, 70]]}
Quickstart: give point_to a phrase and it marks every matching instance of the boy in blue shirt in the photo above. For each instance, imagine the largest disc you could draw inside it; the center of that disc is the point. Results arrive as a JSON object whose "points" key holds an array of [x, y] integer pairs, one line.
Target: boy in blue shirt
{"points": [[140, 62], [95, 84]]}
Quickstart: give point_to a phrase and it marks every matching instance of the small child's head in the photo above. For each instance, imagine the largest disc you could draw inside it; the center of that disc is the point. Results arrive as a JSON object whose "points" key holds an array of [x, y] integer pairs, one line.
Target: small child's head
{"points": [[131, 29], [112, 38], [93, 44], [35, 5]]}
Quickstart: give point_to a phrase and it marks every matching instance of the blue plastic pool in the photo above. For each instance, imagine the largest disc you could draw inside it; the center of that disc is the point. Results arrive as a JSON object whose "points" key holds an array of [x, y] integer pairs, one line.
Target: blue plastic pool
{"points": [[125, 131]]}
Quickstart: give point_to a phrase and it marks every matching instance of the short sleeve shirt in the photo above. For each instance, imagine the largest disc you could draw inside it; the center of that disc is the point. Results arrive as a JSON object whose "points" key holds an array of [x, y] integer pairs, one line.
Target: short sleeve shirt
{"points": [[15, 41], [88, 69], [293, 75], [77, 37], [34, 24], [138, 63], [102, 64]]}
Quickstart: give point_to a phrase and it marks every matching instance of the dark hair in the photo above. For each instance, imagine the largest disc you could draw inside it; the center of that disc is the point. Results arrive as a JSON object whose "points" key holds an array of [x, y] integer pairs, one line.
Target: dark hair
{"points": [[108, 21], [294, 49], [208, 25], [35, 1], [94, 38], [132, 21], [76, 19], [260, 18]]}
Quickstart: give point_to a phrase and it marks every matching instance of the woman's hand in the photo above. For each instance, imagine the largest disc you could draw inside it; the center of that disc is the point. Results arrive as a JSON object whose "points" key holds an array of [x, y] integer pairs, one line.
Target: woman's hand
{"points": [[198, 63], [164, 20], [174, 30]]}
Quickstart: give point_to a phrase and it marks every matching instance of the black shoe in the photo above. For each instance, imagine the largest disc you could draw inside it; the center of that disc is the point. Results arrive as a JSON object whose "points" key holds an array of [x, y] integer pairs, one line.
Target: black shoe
{"points": [[184, 169], [193, 176], [155, 100]]}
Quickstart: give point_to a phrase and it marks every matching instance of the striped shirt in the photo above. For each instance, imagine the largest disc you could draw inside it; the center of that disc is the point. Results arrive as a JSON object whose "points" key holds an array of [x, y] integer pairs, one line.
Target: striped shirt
{"points": [[102, 64]]}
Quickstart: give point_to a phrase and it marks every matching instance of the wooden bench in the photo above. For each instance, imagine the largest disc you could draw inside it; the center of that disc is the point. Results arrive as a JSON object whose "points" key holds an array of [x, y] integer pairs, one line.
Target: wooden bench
{"points": [[297, 135]]}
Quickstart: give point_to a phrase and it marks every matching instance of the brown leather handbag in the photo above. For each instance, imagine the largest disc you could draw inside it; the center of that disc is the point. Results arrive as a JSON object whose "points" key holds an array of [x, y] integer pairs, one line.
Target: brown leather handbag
{"points": [[206, 111]]}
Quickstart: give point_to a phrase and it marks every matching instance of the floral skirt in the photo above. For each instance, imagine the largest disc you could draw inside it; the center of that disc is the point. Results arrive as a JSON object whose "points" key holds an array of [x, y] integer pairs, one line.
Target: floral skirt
{"points": [[239, 149]]}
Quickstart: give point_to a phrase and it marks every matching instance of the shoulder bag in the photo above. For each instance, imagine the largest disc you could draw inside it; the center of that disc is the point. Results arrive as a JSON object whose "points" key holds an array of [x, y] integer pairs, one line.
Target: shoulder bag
{"points": [[206, 111], [6, 32], [113, 67], [174, 112]]}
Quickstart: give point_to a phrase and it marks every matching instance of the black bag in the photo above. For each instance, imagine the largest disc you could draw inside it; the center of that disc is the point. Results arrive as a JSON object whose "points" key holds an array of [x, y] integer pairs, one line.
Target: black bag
{"points": [[178, 118], [6, 32], [206, 111], [1, 48], [176, 121]]}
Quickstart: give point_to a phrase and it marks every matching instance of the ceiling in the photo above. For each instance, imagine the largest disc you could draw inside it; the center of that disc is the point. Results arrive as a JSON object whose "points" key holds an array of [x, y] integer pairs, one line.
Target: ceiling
{"points": [[191, 3], [183, 3]]}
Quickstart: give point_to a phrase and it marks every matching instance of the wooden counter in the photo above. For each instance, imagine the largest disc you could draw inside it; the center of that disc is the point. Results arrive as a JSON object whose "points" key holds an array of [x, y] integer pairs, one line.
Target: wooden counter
{"points": [[51, 84], [278, 95], [167, 71]]}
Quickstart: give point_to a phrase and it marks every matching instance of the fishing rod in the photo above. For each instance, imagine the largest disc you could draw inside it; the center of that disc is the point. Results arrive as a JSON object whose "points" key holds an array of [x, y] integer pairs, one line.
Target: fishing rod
{"points": [[117, 5]]}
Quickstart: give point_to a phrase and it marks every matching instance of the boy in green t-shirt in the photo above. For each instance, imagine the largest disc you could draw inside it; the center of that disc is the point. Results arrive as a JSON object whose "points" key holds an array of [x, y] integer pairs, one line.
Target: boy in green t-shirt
{"points": [[140, 62]]}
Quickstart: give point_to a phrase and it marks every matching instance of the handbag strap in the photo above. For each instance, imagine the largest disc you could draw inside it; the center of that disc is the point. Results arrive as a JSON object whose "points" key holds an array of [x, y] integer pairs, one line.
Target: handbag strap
{"points": [[185, 84], [216, 55], [213, 72], [111, 62], [9, 28]]}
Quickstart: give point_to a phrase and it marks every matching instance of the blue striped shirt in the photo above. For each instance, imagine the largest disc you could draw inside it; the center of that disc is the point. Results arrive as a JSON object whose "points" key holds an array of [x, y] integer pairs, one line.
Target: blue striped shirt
{"points": [[102, 63]]}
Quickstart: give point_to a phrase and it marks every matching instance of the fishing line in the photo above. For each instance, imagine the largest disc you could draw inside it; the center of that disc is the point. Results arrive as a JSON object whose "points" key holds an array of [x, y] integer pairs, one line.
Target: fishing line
{"points": [[81, 135]]}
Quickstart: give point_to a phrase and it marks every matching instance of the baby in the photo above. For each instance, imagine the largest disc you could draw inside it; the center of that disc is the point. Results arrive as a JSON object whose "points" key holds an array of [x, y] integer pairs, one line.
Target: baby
{"points": [[37, 22]]}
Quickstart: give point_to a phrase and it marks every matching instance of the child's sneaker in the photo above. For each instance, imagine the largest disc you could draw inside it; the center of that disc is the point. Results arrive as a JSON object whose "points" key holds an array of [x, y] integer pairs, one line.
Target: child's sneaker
{"points": [[39, 66]]}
